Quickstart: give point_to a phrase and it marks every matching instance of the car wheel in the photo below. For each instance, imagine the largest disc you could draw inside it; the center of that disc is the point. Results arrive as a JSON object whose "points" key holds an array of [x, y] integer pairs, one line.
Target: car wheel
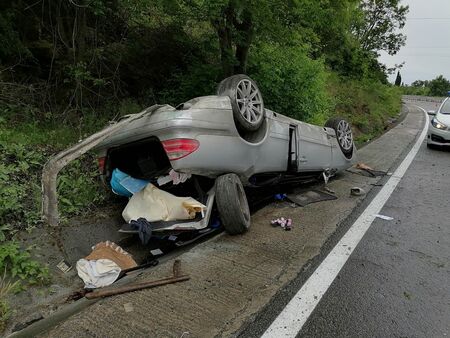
{"points": [[246, 101], [232, 204], [344, 135]]}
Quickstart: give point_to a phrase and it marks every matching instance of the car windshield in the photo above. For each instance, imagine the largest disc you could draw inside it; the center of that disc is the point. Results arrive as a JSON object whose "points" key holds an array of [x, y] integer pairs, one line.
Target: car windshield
{"points": [[446, 107]]}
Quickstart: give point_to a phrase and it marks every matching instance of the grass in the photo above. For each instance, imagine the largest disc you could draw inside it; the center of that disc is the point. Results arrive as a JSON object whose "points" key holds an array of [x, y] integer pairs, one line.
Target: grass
{"points": [[25, 146], [366, 104], [7, 287]]}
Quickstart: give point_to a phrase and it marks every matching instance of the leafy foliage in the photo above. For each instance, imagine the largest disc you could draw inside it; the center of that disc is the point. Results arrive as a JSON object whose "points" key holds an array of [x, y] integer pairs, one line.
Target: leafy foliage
{"points": [[380, 24], [439, 86], [7, 287], [368, 105], [89, 56], [292, 83], [19, 264]]}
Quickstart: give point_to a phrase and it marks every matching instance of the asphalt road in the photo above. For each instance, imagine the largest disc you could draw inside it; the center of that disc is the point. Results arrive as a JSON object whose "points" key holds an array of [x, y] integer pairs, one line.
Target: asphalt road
{"points": [[397, 281]]}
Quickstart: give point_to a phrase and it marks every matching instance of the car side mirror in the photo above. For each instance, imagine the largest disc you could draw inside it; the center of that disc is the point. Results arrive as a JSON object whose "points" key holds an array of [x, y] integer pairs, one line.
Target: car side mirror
{"points": [[431, 112]]}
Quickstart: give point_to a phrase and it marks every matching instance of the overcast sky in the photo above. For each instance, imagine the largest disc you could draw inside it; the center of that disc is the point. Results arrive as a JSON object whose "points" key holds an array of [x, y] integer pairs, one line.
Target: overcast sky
{"points": [[427, 50]]}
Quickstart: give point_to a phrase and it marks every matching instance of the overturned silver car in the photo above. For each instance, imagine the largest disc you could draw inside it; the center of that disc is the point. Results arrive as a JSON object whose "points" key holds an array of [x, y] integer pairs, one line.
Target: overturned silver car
{"points": [[224, 142]]}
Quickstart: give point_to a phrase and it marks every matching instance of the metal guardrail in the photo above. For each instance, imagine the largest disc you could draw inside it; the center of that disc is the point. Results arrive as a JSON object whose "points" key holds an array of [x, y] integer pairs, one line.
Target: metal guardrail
{"points": [[423, 98]]}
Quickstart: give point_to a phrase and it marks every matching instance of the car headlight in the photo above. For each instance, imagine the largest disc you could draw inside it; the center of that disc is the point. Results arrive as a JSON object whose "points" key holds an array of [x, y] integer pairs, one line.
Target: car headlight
{"points": [[438, 124]]}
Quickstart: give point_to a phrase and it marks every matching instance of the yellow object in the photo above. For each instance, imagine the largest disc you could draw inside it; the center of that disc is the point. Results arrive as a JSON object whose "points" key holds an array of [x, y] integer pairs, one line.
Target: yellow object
{"points": [[155, 204]]}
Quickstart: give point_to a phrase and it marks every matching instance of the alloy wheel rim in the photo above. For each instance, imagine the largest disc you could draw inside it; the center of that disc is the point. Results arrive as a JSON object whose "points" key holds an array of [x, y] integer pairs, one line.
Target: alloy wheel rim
{"points": [[345, 136], [249, 101]]}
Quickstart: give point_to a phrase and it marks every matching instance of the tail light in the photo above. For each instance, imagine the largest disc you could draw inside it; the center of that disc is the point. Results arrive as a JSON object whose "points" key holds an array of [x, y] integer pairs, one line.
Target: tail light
{"points": [[101, 164], [179, 147]]}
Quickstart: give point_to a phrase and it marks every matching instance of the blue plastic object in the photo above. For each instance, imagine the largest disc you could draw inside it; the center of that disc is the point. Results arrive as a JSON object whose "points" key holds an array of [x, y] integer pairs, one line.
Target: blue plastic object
{"points": [[215, 223], [280, 197], [124, 185]]}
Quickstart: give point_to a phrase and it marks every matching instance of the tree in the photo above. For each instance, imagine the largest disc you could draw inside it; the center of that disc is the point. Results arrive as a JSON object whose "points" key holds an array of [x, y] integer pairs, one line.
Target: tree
{"points": [[378, 26], [398, 79], [420, 83], [239, 23], [439, 86]]}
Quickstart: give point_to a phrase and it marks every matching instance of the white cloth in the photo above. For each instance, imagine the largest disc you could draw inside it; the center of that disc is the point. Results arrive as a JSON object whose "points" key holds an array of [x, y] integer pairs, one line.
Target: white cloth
{"points": [[155, 204], [97, 273]]}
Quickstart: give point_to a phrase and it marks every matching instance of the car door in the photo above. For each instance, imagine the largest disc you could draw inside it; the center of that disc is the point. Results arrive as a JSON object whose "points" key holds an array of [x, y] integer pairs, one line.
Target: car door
{"points": [[314, 148]]}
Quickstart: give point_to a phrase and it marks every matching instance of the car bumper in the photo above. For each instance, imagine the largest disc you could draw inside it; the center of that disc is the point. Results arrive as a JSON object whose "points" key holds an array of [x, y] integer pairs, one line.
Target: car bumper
{"points": [[438, 136]]}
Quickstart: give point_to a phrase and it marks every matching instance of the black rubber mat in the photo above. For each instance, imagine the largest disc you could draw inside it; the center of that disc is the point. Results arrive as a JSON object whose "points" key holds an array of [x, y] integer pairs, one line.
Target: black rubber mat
{"points": [[307, 197]]}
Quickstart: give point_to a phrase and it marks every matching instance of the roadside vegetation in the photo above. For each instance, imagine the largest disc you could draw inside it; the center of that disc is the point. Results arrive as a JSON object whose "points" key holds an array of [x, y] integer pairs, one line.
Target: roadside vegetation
{"points": [[439, 87], [68, 67]]}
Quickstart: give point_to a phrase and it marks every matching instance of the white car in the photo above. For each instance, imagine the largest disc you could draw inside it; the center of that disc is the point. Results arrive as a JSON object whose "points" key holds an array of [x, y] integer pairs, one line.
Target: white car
{"points": [[439, 129]]}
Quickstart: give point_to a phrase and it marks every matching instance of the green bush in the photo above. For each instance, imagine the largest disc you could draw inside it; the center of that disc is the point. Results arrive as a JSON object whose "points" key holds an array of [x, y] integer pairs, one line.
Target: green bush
{"points": [[19, 178], [19, 264], [20, 175], [199, 80], [367, 104], [79, 187], [291, 83]]}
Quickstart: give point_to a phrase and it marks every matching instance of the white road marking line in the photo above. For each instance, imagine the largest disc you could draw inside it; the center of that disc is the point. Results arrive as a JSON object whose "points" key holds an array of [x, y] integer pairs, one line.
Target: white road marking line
{"points": [[290, 321]]}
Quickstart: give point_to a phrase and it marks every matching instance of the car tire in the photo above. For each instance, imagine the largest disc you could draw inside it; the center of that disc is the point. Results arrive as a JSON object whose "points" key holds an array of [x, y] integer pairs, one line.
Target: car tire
{"points": [[246, 101], [232, 204], [344, 135]]}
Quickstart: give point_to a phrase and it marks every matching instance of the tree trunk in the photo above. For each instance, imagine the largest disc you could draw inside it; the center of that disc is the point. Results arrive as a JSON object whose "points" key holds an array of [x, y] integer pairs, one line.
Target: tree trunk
{"points": [[245, 29], [223, 27], [226, 50]]}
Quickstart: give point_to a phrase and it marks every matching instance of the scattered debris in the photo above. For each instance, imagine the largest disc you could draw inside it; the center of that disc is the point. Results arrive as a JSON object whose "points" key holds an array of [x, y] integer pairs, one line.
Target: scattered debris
{"points": [[357, 191], [387, 218], [368, 170], [155, 204], [329, 190], [280, 197], [104, 264], [284, 223], [407, 295], [128, 307], [64, 266], [144, 229], [81, 293], [153, 262], [176, 278], [124, 185], [363, 166], [156, 252], [327, 174], [312, 196], [199, 234], [77, 295], [174, 177]]}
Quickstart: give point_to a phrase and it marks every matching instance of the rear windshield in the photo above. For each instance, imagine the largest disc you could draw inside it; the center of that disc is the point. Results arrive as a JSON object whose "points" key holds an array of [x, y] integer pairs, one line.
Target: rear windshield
{"points": [[446, 107]]}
